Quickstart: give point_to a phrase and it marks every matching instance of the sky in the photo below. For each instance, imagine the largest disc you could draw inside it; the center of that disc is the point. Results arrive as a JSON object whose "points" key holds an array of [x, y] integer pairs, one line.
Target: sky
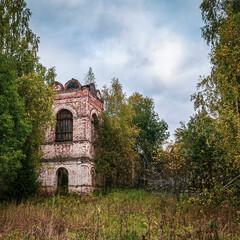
{"points": [[153, 47]]}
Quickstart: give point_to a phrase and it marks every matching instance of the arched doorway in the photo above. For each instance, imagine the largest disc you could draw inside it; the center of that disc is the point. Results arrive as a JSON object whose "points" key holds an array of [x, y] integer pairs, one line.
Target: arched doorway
{"points": [[62, 180]]}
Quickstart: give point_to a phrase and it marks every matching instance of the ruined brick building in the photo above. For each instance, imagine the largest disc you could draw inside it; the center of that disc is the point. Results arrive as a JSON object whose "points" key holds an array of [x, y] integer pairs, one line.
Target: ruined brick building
{"points": [[68, 152]]}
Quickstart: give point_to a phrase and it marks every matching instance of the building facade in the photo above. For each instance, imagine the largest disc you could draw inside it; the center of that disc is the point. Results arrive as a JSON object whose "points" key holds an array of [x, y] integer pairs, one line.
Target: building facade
{"points": [[68, 154]]}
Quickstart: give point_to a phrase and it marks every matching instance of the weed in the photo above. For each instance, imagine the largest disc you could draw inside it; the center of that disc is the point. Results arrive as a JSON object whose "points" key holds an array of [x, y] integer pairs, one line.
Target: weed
{"points": [[120, 214]]}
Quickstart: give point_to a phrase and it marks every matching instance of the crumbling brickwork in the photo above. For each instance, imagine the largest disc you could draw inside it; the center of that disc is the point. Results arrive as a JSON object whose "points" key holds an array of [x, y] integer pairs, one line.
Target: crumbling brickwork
{"points": [[76, 153]]}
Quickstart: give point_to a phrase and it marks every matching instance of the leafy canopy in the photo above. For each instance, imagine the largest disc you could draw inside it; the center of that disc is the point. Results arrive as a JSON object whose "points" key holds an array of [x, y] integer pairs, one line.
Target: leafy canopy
{"points": [[213, 143], [26, 99], [116, 158], [153, 131]]}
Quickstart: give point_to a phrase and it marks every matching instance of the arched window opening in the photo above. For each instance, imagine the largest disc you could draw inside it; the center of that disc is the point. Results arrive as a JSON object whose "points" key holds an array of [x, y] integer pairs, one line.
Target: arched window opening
{"points": [[94, 125], [62, 180], [64, 126], [73, 85], [92, 89]]}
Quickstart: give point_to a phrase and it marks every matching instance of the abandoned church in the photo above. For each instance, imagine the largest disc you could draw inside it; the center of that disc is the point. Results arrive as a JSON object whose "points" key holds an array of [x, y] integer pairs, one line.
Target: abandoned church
{"points": [[68, 153]]}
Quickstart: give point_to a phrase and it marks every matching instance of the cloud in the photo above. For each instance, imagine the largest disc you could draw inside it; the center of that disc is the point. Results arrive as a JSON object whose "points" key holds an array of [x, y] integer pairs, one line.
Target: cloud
{"points": [[132, 40], [69, 3]]}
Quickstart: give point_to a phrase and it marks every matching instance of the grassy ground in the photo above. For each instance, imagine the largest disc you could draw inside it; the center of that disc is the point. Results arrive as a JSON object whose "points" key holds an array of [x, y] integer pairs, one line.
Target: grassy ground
{"points": [[128, 214]]}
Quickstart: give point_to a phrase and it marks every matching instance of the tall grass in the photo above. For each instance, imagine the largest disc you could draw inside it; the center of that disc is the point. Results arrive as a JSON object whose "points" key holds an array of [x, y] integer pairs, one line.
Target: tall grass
{"points": [[121, 214]]}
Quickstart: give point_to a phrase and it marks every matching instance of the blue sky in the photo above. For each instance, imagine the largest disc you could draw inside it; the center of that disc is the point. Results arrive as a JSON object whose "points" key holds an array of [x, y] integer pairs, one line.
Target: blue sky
{"points": [[152, 46]]}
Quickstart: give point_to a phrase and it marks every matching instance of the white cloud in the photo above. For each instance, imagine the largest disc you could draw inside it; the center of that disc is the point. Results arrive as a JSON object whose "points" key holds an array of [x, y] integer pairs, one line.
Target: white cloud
{"points": [[149, 57], [166, 60]]}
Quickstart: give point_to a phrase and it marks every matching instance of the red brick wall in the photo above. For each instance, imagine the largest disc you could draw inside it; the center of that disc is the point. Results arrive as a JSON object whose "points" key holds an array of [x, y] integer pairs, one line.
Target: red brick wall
{"points": [[76, 155]]}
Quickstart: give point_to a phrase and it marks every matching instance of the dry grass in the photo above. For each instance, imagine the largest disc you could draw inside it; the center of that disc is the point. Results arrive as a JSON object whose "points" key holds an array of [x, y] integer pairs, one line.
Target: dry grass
{"points": [[129, 214]]}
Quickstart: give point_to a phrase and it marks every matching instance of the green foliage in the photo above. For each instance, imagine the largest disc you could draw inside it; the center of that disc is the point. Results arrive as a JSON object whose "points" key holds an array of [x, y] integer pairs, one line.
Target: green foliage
{"points": [[14, 127], [16, 38], [26, 101], [214, 12], [116, 159], [128, 132], [219, 96], [25, 113], [169, 170], [37, 91], [209, 143], [90, 77], [152, 130], [199, 141]]}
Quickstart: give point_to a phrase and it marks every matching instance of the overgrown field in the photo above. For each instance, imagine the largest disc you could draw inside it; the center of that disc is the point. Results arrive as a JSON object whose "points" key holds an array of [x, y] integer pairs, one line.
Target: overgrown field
{"points": [[128, 214]]}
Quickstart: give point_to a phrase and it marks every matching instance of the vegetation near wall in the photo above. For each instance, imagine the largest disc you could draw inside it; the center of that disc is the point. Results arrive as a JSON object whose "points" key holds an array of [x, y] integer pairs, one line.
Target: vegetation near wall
{"points": [[128, 132], [26, 98]]}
